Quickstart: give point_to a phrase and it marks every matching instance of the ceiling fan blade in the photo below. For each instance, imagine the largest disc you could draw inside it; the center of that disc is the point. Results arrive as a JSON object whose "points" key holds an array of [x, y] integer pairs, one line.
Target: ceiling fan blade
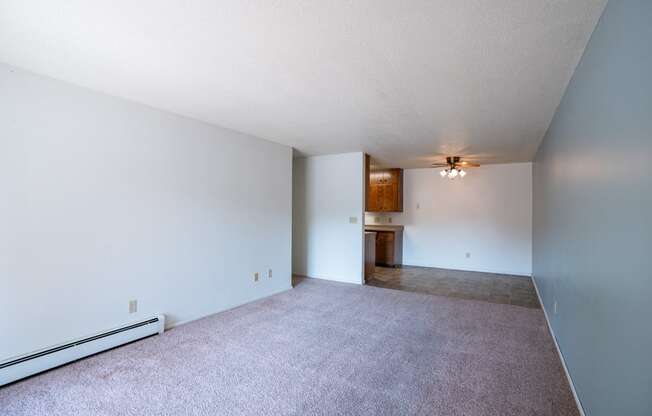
{"points": [[439, 165], [465, 164]]}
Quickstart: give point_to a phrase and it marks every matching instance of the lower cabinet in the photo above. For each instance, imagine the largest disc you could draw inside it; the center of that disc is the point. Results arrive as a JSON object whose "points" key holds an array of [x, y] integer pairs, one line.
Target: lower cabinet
{"points": [[369, 254], [389, 248]]}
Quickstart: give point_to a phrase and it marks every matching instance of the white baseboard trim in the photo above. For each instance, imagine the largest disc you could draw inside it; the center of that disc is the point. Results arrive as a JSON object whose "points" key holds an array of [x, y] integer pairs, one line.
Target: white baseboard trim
{"points": [[187, 321], [561, 357], [472, 269]]}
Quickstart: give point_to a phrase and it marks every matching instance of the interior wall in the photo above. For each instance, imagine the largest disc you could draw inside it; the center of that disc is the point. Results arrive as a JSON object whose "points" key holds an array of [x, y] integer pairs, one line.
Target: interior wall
{"points": [[103, 201], [487, 215], [328, 212], [592, 224]]}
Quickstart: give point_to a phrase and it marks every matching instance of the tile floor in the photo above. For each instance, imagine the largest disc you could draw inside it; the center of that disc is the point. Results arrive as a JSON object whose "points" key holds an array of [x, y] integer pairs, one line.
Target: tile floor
{"points": [[495, 288]]}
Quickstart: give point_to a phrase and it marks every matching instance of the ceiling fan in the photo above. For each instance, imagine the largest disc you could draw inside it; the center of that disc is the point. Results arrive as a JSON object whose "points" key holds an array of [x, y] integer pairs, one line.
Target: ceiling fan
{"points": [[454, 167]]}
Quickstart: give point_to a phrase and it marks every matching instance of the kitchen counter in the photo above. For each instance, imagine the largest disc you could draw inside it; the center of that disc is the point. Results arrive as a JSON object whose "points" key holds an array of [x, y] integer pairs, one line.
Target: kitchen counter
{"points": [[383, 227]]}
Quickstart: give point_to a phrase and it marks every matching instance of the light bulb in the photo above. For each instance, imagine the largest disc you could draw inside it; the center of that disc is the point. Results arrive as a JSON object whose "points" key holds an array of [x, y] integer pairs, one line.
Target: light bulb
{"points": [[462, 174], [443, 173], [452, 174]]}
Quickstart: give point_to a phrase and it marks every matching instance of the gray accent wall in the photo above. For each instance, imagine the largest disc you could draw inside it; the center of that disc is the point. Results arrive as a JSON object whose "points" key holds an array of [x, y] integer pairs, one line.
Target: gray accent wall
{"points": [[592, 224]]}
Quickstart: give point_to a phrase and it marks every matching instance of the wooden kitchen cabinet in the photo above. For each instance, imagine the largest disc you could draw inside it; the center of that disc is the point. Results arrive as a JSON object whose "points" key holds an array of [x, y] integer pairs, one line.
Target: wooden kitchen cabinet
{"points": [[369, 254], [385, 191], [389, 248]]}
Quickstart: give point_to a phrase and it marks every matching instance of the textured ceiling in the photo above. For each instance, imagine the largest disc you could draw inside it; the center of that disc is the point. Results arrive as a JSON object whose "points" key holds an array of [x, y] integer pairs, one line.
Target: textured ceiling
{"points": [[402, 80]]}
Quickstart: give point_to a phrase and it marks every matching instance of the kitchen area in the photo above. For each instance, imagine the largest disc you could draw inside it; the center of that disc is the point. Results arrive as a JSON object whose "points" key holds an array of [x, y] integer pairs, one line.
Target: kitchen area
{"points": [[383, 241]]}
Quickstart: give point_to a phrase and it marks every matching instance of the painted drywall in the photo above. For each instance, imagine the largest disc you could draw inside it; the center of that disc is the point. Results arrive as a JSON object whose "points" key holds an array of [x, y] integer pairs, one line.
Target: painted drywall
{"points": [[592, 223], [488, 214], [103, 201], [328, 193]]}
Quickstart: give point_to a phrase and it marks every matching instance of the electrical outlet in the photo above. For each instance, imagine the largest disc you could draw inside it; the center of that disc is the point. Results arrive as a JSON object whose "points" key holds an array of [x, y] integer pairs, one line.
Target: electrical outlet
{"points": [[554, 308], [256, 277], [353, 220], [133, 306], [269, 273], [468, 255], [418, 205]]}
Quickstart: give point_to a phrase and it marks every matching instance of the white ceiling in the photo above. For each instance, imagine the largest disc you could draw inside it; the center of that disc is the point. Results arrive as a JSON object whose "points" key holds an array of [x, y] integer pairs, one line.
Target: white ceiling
{"points": [[403, 80]]}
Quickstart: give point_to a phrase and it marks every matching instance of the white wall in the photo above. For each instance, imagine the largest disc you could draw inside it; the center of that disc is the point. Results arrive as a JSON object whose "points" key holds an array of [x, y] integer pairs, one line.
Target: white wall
{"points": [[328, 190], [487, 214], [103, 200]]}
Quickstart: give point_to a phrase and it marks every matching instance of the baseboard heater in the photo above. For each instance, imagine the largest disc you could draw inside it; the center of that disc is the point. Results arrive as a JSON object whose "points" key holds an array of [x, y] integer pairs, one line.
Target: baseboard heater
{"points": [[36, 362]]}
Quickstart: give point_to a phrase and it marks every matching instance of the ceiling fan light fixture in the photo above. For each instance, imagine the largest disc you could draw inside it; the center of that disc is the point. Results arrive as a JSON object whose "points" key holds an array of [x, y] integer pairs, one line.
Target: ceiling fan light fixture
{"points": [[454, 167]]}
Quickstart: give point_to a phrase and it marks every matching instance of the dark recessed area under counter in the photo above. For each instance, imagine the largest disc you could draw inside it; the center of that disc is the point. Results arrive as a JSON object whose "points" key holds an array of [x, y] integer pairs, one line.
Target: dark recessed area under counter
{"points": [[389, 244]]}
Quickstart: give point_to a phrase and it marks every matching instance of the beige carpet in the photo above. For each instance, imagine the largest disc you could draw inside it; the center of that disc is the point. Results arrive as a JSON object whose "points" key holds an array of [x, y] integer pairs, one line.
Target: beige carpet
{"points": [[321, 349]]}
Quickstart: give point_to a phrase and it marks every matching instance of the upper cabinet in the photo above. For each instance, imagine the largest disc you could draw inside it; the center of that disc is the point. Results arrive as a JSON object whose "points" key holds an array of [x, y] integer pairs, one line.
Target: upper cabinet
{"points": [[384, 189]]}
